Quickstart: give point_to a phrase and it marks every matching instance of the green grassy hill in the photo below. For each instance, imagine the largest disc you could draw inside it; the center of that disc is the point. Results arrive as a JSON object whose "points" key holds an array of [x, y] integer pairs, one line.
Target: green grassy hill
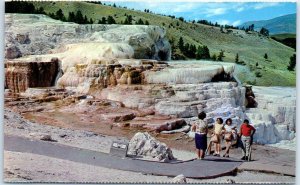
{"points": [[251, 47]]}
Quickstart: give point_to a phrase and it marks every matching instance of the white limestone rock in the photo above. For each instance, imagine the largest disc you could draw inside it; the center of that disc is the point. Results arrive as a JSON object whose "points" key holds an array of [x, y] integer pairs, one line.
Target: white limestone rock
{"points": [[143, 144], [189, 72], [35, 34], [275, 116]]}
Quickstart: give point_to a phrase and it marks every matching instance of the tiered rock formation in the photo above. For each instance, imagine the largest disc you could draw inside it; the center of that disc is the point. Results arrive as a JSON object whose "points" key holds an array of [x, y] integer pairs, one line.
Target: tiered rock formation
{"points": [[21, 75], [275, 115], [32, 34], [101, 74]]}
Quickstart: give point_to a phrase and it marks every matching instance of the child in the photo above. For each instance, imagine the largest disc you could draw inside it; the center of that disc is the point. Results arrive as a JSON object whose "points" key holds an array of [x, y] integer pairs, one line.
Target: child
{"points": [[218, 130]]}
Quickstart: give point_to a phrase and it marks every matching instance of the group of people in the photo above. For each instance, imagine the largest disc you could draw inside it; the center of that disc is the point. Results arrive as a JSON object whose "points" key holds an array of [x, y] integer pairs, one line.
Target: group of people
{"points": [[221, 131]]}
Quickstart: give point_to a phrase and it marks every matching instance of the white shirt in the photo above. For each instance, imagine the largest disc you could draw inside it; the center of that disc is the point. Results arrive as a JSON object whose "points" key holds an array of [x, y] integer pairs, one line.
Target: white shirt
{"points": [[229, 128]]}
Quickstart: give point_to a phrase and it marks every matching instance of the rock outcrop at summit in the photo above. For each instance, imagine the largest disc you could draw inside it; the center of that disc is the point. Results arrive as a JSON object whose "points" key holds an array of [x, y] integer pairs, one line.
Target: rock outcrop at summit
{"points": [[20, 75], [32, 34]]}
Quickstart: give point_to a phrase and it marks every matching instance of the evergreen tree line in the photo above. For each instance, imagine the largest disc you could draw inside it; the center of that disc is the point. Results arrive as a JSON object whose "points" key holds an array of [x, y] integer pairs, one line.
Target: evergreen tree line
{"points": [[27, 7], [22, 7], [200, 52], [76, 17]]}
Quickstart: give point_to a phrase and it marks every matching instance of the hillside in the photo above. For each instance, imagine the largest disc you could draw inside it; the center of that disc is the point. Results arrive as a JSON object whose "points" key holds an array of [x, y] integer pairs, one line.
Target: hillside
{"points": [[282, 24], [250, 47], [287, 39]]}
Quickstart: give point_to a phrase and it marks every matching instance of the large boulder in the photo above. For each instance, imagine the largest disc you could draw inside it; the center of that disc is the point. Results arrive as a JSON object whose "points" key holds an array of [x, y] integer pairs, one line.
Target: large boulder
{"points": [[143, 144]]}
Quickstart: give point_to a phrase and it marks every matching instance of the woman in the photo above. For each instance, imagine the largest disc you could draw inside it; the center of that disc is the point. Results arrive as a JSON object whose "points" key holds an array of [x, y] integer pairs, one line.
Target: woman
{"points": [[200, 127], [230, 134], [218, 130]]}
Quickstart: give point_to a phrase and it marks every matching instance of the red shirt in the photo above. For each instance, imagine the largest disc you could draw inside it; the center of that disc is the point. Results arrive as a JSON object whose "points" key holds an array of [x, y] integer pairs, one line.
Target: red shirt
{"points": [[246, 129]]}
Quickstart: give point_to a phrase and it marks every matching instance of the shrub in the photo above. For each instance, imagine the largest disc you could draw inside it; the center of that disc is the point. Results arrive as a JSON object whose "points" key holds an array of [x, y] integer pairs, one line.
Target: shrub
{"points": [[258, 74]]}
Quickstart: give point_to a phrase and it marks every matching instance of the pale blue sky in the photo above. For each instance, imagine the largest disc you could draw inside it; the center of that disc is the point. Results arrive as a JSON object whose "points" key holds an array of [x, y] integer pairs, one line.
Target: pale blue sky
{"points": [[233, 13]]}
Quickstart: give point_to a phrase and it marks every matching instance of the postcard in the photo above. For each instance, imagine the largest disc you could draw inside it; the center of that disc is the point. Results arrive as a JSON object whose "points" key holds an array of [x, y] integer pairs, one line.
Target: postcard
{"points": [[149, 92]]}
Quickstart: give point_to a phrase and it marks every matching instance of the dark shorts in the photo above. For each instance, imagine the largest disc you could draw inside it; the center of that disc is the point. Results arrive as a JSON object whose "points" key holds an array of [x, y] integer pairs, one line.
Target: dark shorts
{"points": [[201, 141]]}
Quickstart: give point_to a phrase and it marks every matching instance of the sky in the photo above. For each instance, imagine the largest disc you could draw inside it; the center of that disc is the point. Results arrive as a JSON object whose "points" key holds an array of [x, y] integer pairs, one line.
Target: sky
{"points": [[233, 13]]}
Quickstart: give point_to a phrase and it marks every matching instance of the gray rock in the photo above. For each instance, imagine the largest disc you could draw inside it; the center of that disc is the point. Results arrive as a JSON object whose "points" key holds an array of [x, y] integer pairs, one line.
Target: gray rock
{"points": [[47, 138], [230, 181], [185, 129], [180, 179]]}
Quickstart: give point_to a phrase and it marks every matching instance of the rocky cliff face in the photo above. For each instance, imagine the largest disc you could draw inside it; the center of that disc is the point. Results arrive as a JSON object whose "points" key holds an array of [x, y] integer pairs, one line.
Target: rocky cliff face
{"points": [[27, 34], [20, 75]]}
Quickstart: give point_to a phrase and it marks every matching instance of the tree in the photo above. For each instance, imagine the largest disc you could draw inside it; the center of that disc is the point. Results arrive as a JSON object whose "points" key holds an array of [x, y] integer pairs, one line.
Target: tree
{"points": [[214, 57], [266, 56], [177, 24], [221, 56], [85, 20], [102, 21], [140, 22], [251, 27], [264, 31], [292, 63], [60, 15], [110, 20], [114, 5], [192, 51], [202, 53], [256, 64], [199, 52], [40, 11], [186, 49], [91, 21], [147, 22], [181, 44], [181, 19], [237, 58], [19, 7], [71, 17], [206, 54], [128, 19], [78, 17], [222, 28]]}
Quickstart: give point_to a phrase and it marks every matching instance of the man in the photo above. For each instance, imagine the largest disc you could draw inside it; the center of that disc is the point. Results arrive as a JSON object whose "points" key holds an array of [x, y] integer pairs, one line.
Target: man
{"points": [[246, 134]]}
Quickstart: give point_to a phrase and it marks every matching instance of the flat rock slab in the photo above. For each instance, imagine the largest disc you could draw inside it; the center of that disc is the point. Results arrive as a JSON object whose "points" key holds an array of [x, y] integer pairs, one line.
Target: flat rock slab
{"points": [[118, 117], [211, 167], [270, 168]]}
